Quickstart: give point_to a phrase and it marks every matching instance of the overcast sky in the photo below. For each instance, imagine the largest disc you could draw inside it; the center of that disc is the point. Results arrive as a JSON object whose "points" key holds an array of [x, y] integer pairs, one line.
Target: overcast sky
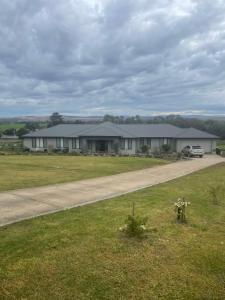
{"points": [[91, 57]]}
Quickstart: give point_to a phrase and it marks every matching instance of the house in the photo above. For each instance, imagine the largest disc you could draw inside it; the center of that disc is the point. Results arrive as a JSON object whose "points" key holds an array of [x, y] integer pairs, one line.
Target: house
{"points": [[121, 138]]}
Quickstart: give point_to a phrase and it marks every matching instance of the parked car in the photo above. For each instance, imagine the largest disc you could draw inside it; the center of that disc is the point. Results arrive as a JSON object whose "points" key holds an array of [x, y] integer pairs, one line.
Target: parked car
{"points": [[193, 151]]}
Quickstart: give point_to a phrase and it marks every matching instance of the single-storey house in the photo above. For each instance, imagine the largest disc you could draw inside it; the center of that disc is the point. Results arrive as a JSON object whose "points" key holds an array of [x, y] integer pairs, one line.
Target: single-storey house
{"points": [[121, 138]]}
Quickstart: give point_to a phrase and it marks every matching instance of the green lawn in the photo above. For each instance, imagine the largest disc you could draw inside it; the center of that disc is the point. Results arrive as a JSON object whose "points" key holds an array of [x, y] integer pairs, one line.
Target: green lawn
{"points": [[221, 145], [11, 125], [79, 253], [19, 171]]}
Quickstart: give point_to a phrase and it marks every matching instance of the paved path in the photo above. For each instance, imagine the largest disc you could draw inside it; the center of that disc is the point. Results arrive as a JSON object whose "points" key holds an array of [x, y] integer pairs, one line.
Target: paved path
{"points": [[27, 203]]}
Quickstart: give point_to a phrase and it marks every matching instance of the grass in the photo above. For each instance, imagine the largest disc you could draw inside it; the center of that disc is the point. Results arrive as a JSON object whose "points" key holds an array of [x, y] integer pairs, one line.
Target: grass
{"points": [[79, 253], [221, 145], [20, 171], [11, 125]]}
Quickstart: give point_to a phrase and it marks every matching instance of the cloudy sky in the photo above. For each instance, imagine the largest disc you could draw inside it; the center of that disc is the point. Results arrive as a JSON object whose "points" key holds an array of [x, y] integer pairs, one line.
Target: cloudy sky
{"points": [[91, 57]]}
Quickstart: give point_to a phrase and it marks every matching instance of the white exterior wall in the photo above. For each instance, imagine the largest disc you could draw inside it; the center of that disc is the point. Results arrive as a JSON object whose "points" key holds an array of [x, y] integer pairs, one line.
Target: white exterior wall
{"points": [[27, 143], [155, 145], [208, 145], [51, 142]]}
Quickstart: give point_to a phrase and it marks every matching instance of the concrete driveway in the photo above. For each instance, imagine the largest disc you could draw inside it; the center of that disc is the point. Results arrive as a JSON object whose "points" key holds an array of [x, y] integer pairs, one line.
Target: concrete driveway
{"points": [[31, 202]]}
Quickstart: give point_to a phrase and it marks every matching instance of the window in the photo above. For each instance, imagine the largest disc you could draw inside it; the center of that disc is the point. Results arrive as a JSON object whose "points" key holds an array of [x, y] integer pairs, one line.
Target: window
{"points": [[149, 142], [122, 144], [39, 142], [165, 141], [34, 144], [129, 143], [65, 143], [142, 142], [74, 143], [89, 145], [58, 142], [44, 143]]}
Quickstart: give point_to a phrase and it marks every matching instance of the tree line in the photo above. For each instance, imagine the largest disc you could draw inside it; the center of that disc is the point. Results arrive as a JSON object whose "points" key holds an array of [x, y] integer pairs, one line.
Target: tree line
{"points": [[212, 126], [216, 127]]}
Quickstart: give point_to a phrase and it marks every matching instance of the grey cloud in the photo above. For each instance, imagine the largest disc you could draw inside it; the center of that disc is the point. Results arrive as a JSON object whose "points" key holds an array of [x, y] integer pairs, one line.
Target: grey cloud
{"points": [[112, 56]]}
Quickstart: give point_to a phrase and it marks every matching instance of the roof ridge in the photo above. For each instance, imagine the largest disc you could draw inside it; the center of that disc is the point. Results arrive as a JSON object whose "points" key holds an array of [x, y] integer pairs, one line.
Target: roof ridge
{"points": [[126, 131], [84, 130]]}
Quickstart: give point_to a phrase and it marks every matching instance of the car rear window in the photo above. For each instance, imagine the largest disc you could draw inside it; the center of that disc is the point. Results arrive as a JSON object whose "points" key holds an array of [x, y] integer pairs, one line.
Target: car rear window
{"points": [[196, 147]]}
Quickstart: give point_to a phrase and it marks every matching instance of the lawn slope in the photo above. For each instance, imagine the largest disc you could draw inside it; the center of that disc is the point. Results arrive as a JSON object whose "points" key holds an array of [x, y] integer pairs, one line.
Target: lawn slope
{"points": [[79, 254]]}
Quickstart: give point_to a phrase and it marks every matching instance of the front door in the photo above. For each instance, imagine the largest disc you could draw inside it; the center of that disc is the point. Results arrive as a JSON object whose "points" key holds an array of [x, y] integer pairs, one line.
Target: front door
{"points": [[101, 146]]}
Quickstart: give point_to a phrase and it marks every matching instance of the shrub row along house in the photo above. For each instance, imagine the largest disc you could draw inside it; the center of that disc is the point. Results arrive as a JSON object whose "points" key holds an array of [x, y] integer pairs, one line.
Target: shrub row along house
{"points": [[117, 138]]}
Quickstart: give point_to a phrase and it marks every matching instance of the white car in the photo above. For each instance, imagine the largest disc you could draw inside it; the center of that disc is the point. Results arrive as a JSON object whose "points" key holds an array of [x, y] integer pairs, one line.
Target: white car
{"points": [[193, 151]]}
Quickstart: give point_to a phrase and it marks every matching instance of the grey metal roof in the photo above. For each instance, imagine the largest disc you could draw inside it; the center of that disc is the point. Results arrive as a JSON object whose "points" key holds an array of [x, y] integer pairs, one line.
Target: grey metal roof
{"points": [[151, 130], [121, 130], [186, 133]]}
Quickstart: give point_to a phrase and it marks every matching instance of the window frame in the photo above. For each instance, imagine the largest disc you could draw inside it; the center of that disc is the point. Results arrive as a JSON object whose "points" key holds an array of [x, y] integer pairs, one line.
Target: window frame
{"points": [[74, 143], [129, 144], [149, 142], [142, 142], [89, 145], [65, 143], [45, 143], [165, 141], [122, 144], [59, 143], [34, 143]]}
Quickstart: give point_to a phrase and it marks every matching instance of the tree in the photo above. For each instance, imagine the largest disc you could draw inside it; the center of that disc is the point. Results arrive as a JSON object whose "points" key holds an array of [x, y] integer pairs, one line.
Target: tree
{"points": [[56, 119], [9, 131], [32, 126], [21, 131]]}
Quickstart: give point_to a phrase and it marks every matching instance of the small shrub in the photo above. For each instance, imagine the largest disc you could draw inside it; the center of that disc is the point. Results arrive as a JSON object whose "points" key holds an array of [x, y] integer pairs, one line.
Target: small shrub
{"points": [[65, 150], [180, 209], [144, 148], [165, 148], [135, 226], [217, 194], [180, 155]]}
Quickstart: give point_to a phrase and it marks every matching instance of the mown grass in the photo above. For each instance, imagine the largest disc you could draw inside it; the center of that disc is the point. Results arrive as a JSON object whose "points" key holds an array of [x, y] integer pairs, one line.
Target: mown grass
{"points": [[79, 253], [20, 171]]}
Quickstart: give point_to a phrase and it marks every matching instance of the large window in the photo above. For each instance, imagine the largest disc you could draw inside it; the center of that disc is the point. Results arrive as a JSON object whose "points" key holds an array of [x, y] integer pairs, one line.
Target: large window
{"points": [[40, 142], [74, 143], [142, 141], [34, 144], [58, 143], [62, 143], [122, 144], [165, 141], [65, 143], [45, 143], [129, 141], [149, 142], [89, 145]]}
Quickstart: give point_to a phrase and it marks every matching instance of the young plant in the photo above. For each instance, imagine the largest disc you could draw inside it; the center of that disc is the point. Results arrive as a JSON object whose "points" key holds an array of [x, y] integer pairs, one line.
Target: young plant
{"points": [[144, 149], [135, 226], [217, 193], [180, 209]]}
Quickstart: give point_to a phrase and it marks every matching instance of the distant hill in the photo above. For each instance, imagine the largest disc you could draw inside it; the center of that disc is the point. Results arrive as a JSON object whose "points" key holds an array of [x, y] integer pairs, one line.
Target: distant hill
{"points": [[92, 119]]}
